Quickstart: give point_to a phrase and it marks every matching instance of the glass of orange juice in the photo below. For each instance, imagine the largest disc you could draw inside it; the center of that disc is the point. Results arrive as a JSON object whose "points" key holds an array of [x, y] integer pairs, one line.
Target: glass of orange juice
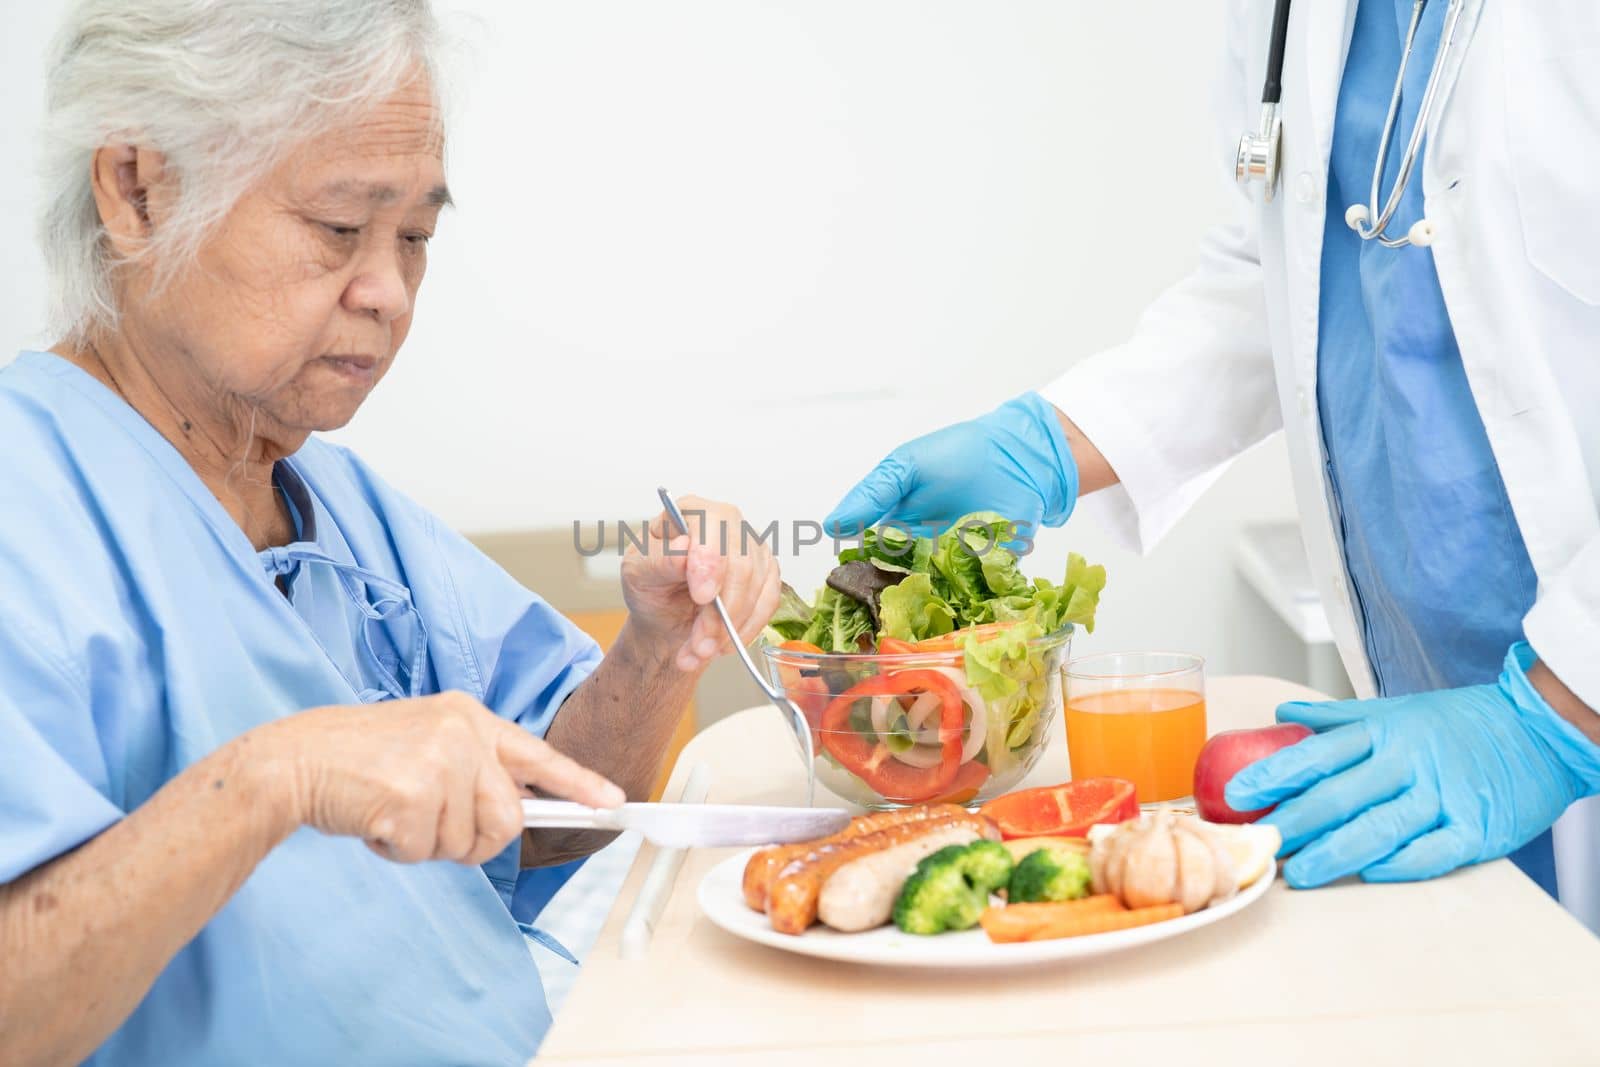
{"points": [[1139, 716]]}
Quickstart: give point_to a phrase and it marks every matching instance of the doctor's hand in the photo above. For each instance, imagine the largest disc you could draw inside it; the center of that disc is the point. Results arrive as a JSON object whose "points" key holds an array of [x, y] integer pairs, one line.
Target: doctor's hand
{"points": [[669, 592], [1411, 787], [431, 778], [1016, 460]]}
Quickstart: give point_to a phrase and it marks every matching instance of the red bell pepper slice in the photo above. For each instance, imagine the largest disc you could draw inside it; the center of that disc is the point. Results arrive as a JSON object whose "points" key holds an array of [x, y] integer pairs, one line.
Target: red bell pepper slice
{"points": [[969, 779], [1066, 810], [870, 759]]}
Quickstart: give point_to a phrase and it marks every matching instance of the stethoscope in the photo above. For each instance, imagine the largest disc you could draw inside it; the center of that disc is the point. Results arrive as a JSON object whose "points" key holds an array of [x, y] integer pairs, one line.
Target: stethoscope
{"points": [[1260, 152]]}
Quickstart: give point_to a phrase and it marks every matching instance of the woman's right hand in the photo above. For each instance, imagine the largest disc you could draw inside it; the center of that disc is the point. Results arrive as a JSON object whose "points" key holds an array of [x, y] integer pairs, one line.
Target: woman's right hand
{"points": [[436, 777]]}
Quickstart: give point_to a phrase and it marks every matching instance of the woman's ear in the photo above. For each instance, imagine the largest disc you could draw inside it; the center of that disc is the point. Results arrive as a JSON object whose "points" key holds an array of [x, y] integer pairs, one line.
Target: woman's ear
{"points": [[124, 178]]}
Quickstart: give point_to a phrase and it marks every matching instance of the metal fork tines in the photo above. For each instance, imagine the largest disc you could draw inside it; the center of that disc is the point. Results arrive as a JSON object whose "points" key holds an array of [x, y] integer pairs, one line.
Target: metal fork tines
{"points": [[779, 699]]}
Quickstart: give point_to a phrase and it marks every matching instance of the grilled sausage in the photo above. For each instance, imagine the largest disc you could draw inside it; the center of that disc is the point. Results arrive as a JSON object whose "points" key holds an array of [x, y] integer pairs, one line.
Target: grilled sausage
{"points": [[861, 894], [765, 865], [792, 901]]}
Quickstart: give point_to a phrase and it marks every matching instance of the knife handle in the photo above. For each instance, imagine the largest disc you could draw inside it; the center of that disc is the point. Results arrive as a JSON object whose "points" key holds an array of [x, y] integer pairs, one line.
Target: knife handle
{"points": [[565, 815]]}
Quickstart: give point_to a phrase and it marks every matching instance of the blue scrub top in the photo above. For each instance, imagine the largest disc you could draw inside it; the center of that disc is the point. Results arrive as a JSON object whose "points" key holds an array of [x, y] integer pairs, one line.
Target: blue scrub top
{"points": [[1441, 577], [140, 630]]}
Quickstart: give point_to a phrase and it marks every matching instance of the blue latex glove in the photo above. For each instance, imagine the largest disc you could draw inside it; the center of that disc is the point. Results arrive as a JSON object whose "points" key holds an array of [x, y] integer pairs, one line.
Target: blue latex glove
{"points": [[1411, 787], [1014, 460]]}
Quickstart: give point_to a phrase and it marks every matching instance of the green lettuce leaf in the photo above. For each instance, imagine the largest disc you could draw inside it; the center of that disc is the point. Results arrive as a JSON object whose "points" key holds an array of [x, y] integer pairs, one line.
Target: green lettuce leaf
{"points": [[1013, 680], [1082, 593], [981, 529], [1025, 715], [892, 550], [1050, 606], [910, 610], [965, 576], [1025, 607], [1002, 574], [961, 571], [972, 566], [791, 619], [837, 622], [1000, 664]]}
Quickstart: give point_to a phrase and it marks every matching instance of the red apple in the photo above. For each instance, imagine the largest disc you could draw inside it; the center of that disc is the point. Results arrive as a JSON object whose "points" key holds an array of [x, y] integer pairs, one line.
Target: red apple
{"points": [[1222, 757]]}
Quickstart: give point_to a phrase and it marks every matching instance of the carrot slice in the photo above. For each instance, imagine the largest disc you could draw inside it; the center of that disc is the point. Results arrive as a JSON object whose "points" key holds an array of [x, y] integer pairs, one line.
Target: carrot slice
{"points": [[1048, 927], [1036, 910], [1016, 922]]}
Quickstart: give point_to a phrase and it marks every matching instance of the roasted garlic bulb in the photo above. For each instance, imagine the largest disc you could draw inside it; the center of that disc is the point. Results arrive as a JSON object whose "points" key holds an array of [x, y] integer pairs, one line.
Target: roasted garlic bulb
{"points": [[1164, 859]]}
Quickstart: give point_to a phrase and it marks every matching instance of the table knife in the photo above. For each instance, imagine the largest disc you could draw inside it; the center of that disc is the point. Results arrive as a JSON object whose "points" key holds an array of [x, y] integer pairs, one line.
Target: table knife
{"points": [[692, 825]]}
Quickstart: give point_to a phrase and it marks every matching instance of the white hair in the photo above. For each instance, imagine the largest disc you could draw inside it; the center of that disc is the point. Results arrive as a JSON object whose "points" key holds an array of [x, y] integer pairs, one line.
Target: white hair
{"points": [[224, 89]]}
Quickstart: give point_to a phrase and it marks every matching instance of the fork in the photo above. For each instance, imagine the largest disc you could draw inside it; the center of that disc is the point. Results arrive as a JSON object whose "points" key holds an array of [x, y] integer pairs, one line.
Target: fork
{"points": [[788, 708]]}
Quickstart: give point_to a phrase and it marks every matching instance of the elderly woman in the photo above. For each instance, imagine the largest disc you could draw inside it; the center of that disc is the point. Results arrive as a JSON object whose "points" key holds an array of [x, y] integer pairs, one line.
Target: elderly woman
{"points": [[264, 722]]}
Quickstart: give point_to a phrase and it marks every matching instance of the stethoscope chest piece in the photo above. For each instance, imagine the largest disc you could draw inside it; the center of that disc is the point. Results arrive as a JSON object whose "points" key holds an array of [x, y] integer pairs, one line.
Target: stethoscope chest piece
{"points": [[1260, 153]]}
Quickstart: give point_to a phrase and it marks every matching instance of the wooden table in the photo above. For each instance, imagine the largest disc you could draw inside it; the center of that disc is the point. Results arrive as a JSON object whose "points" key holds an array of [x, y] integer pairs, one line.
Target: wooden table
{"points": [[1477, 967]]}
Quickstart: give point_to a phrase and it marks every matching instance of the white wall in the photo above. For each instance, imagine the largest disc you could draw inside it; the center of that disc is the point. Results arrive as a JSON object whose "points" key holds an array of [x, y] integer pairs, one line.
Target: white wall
{"points": [[743, 247]]}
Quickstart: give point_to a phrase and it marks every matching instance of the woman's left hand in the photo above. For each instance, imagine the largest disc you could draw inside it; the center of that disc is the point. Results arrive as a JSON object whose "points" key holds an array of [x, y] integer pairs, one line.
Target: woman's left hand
{"points": [[669, 592]]}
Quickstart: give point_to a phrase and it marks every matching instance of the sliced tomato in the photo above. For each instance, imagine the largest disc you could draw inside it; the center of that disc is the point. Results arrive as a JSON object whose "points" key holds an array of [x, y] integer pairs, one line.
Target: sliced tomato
{"points": [[1066, 810]]}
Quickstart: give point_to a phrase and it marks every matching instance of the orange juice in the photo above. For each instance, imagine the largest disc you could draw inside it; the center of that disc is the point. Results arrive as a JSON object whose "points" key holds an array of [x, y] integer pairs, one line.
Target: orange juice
{"points": [[1149, 736]]}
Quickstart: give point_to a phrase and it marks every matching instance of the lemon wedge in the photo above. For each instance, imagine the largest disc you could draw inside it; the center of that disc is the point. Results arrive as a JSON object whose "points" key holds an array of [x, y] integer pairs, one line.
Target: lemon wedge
{"points": [[1254, 848]]}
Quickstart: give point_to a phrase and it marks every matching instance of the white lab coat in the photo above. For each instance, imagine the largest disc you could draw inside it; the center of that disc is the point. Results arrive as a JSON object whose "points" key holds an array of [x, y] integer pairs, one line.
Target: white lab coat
{"points": [[1511, 178]]}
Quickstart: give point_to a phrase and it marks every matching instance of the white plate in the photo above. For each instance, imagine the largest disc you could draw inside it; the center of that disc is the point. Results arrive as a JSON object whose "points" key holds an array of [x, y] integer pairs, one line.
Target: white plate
{"points": [[722, 900]]}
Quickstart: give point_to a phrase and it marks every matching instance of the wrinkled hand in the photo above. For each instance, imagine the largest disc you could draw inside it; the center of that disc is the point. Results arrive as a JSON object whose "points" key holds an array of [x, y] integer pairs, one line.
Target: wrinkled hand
{"points": [[433, 778], [669, 592], [1015, 460], [1411, 787]]}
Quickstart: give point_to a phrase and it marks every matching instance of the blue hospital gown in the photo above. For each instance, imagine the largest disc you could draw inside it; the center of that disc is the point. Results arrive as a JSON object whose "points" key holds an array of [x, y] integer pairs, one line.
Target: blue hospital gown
{"points": [[140, 630]]}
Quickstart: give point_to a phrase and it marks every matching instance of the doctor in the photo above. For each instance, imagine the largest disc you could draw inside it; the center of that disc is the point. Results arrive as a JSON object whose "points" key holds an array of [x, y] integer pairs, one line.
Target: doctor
{"points": [[1430, 355]]}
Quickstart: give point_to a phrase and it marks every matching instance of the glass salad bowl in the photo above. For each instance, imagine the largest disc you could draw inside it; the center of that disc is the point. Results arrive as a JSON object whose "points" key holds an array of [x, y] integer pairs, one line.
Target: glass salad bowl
{"points": [[923, 726]]}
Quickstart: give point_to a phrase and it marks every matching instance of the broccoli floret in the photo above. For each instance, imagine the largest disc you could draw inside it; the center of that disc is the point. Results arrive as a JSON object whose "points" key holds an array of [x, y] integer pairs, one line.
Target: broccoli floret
{"points": [[938, 899], [1049, 874], [950, 888], [946, 856], [987, 865]]}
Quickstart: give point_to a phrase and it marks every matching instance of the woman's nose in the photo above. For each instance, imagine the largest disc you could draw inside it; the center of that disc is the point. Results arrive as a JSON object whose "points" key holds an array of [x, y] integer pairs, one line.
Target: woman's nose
{"points": [[379, 287]]}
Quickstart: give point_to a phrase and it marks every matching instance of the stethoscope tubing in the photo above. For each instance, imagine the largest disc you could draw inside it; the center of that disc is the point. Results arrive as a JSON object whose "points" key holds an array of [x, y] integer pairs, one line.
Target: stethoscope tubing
{"points": [[1359, 216], [1408, 160]]}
